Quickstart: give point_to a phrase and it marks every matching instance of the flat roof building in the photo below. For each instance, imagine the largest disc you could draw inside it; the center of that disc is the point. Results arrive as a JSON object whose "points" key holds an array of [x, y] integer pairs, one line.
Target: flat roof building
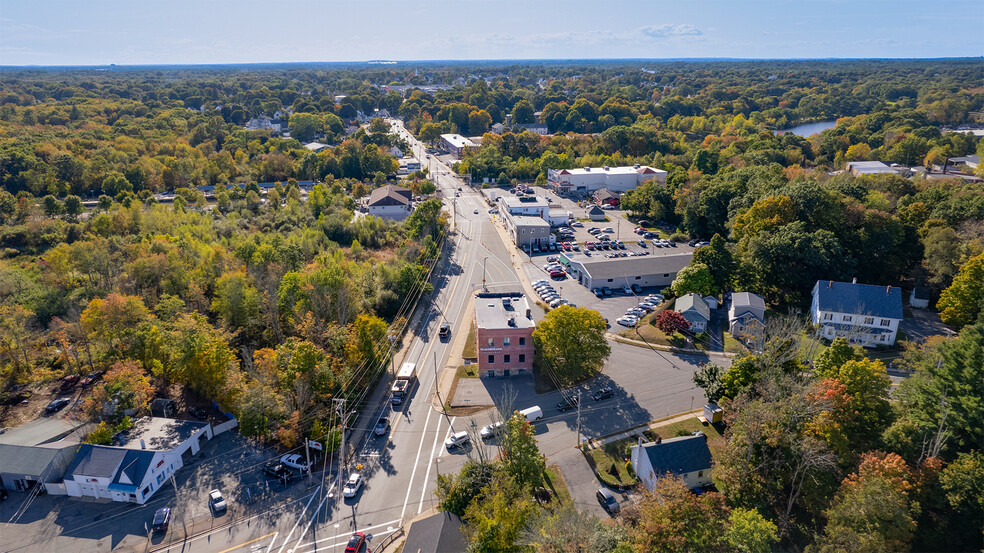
{"points": [[534, 206], [504, 334], [858, 168], [645, 270], [586, 180], [526, 230], [456, 144]]}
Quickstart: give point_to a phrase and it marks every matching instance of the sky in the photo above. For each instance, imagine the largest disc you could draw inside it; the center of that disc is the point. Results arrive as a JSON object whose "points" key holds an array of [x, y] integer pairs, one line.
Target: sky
{"points": [[136, 32]]}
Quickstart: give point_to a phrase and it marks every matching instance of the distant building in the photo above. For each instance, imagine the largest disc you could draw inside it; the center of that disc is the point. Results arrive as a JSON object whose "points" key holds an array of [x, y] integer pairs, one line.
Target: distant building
{"points": [[526, 230], [533, 206], [865, 314], [315, 146], [456, 144], [504, 333], [607, 197], [595, 213], [971, 161], [695, 310], [589, 179], [390, 202], [686, 457], [649, 270], [858, 168]]}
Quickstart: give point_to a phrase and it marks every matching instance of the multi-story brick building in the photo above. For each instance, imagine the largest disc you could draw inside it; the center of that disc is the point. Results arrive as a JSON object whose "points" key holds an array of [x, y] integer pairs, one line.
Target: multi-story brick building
{"points": [[504, 331]]}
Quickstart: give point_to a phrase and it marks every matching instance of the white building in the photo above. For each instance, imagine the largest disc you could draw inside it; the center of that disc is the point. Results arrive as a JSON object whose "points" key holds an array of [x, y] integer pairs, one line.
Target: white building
{"points": [[154, 449], [456, 144], [865, 314], [684, 457], [533, 206], [858, 168], [390, 202], [589, 179], [649, 270]]}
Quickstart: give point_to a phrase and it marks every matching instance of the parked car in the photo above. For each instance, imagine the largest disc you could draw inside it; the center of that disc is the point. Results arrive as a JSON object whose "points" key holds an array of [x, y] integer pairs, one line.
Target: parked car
{"points": [[356, 543], [540, 282], [557, 302], [353, 485], [458, 439], [69, 382], [649, 234], [552, 259], [577, 224], [693, 243], [568, 404], [635, 312], [589, 245], [606, 290], [604, 393], [382, 425], [198, 413], [627, 289], [57, 405], [608, 229], [275, 470], [620, 244], [598, 292], [642, 243], [627, 320], [162, 517], [637, 289], [216, 502], [492, 429], [607, 500], [558, 274], [295, 461]]}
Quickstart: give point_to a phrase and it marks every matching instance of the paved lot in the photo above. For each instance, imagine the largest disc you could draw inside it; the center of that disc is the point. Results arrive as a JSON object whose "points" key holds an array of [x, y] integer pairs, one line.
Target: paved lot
{"points": [[923, 324]]}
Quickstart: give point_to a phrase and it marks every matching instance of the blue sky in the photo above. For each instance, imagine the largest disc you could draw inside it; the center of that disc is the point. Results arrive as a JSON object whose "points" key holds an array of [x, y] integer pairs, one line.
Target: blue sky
{"points": [[59, 32]]}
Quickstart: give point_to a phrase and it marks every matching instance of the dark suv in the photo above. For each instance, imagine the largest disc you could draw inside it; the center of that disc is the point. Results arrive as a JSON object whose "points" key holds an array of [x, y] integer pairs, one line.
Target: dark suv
{"points": [[161, 519], [278, 471], [568, 403]]}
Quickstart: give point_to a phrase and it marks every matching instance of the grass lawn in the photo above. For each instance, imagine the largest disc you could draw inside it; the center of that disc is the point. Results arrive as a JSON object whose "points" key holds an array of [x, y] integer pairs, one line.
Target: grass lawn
{"points": [[469, 350], [602, 459], [731, 345], [466, 371], [555, 482], [715, 433]]}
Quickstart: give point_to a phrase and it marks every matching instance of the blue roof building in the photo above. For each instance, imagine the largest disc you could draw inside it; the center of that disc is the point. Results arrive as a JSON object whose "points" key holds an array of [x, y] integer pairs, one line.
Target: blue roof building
{"points": [[685, 457], [865, 314]]}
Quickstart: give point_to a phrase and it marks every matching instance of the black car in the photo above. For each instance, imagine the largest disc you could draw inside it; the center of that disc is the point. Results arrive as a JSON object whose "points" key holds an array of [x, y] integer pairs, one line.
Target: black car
{"points": [[161, 519], [278, 471], [198, 413], [445, 331], [57, 405], [693, 243], [568, 403], [603, 393], [607, 500]]}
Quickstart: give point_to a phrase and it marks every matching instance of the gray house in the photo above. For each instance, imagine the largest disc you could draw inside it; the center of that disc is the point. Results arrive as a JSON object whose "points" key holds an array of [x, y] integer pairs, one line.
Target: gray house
{"points": [[695, 310], [23, 466], [595, 213], [746, 316]]}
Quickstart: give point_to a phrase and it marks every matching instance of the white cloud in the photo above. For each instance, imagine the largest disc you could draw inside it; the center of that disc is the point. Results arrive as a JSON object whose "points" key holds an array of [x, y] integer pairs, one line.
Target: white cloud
{"points": [[668, 30]]}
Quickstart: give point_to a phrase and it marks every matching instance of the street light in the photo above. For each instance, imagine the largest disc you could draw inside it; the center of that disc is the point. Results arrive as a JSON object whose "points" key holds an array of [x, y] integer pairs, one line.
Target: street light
{"points": [[484, 287]]}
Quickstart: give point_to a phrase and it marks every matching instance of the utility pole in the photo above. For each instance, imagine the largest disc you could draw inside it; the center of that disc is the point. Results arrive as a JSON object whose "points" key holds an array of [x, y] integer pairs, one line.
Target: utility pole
{"points": [[183, 523], [578, 419], [392, 339], [484, 287], [340, 408], [307, 457], [437, 390]]}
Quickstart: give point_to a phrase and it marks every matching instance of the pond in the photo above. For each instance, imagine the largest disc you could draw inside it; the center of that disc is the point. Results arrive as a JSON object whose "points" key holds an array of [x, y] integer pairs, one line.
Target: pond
{"points": [[808, 129]]}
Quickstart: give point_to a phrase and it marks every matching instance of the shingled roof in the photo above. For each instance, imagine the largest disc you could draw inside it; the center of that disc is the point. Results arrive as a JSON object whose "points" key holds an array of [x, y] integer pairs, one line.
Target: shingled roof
{"points": [[680, 455], [861, 299]]}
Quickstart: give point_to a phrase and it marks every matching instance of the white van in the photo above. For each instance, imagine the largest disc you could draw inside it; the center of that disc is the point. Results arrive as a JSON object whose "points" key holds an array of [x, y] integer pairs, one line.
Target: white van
{"points": [[532, 414]]}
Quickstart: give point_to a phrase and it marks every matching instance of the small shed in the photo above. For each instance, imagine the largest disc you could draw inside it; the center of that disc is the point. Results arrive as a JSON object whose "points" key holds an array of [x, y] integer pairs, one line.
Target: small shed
{"points": [[595, 213], [713, 413], [919, 297]]}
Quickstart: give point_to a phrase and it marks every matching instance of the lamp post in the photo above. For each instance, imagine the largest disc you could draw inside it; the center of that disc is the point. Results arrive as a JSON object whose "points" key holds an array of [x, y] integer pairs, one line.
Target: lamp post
{"points": [[484, 287]]}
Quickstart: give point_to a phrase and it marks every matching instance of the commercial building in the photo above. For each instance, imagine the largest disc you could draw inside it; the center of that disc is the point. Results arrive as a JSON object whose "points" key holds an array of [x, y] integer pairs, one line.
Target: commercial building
{"points": [[686, 457], [38, 452], [589, 179], [390, 202], [456, 144], [527, 231], [645, 270], [607, 197], [858, 168], [865, 314], [148, 454], [504, 334], [533, 206]]}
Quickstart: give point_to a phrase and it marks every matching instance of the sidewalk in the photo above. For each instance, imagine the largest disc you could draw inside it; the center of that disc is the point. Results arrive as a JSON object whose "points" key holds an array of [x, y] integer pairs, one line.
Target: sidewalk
{"points": [[638, 430]]}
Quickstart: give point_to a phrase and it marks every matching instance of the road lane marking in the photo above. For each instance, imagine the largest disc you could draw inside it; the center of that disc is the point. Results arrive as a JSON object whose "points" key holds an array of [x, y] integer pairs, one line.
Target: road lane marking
{"points": [[446, 436], [423, 488], [244, 544], [287, 539], [314, 517], [416, 460], [347, 535]]}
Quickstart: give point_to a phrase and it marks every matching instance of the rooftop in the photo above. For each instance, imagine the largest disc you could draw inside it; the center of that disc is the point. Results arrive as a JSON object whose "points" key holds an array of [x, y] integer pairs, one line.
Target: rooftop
{"points": [[678, 455], [438, 533], [693, 302], [96, 461], [623, 170], [529, 221], [747, 299], [457, 140], [861, 299], [25, 459], [620, 267], [159, 433], [45, 430], [498, 311], [525, 201], [390, 195], [869, 167]]}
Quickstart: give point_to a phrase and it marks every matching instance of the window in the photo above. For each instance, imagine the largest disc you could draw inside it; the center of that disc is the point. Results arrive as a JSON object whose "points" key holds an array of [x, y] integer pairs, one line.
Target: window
{"points": [[491, 359], [160, 478], [638, 278], [869, 321], [611, 280], [522, 357], [505, 341], [491, 342], [700, 473], [522, 341], [886, 322], [847, 318], [505, 358], [145, 491], [827, 316]]}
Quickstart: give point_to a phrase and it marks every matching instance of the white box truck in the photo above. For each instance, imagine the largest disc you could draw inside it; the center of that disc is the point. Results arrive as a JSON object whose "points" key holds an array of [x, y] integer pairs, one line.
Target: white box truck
{"points": [[404, 382]]}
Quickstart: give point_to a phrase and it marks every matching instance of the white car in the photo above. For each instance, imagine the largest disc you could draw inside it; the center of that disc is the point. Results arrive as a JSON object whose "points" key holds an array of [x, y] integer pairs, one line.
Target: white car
{"points": [[557, 302], [539, 282], [492, 429], [353, 485], [608, 229], [458, 439], [635, 312], [295, 461], [577, 224], [655, 297], [627, 289], [627, 320], [216, 501]]}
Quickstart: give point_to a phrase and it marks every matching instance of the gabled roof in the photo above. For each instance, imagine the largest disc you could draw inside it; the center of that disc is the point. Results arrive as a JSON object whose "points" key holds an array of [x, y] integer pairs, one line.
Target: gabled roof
{"points": [[595, 210], [96, 461], [859, 299], [390, 195], [605, 194], [692, 303], [133, 468], [440, 533], [678, 455], [31, 460], [741, 300]]}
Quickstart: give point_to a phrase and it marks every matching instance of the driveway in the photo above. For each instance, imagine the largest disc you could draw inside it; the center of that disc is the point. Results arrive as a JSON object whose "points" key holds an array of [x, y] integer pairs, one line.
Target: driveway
{"points": [[924, 324]]}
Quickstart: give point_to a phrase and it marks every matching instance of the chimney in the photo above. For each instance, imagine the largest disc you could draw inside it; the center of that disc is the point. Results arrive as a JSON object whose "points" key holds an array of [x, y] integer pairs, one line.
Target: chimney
{"points": [[587, 168], [854, 280], [830, 284], [888, 290], [143, 444]]}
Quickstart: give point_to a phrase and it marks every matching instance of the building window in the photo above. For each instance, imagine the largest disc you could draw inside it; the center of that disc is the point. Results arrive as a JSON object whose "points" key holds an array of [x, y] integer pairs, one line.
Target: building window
{"points": [[700, 473], [505, 341], [639, 278], [869, 320], [491, 359], [611, 280], [522, 357], [522, 341], [666, 275], [827, 316], [145, 491], [505, 358], [886, 322], [491, 342], [160, 478], [847, 318]]}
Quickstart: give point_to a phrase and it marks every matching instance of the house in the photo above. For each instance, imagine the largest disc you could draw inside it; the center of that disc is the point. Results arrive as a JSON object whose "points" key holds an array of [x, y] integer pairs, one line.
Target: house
{"points": [[504, 334], [148, 454], [527, 231], [858, 168], [607, 197], [685, 457], [440, 533], [589, 179], [390, 202], [695, 310], [865, 314], [534, 206], [456, 144], [971, 161], [645, 270], [315, 146], [919, 297], [746, 316], [595, 213]]}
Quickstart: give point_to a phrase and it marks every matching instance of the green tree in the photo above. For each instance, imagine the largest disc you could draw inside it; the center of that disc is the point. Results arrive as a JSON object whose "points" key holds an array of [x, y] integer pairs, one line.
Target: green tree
{"points": [[867, 385], [237, 303], [839, 352], [719, 261], [521, 457], [673, 519], [963, 302], [498, 515], [478, 122], [303, 126], [425, 220], [522, 112], [115, 183], [378, 124], [749, 532], [456, 491], [51, 205], [708, 378], [696, 278], [963, 482], [566, 529], [113, 320], [570, 344]]}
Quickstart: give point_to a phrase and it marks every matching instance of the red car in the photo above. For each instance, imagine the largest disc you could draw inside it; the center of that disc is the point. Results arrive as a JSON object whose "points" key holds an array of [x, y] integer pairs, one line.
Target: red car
{"points": [[590, 245], [355, 543], [557, 274]]}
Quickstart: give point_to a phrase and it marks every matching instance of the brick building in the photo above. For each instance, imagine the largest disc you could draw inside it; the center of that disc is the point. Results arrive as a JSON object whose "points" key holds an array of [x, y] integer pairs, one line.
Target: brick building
{"points": [[504, 331]]}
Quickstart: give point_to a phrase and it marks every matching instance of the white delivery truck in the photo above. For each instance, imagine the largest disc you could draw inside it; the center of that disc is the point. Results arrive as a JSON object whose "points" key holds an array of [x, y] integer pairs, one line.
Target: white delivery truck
{"points": [[404, 382]]}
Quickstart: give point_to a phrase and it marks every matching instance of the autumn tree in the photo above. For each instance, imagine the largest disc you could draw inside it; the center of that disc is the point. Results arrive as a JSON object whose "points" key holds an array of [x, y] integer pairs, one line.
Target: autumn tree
{"points": [[963, 302], [670, 322], [113, 320], [570, 344], [124, 387]]}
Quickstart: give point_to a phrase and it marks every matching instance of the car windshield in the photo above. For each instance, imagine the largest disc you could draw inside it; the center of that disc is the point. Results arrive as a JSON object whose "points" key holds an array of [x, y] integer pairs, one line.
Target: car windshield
{"points": [[354, 541], [159, 516]]}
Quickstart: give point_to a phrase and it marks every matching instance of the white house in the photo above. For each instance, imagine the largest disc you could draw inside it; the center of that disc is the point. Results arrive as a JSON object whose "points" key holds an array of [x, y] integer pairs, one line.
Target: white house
{"points": [[390, 202], [589, 179], [533, 206], [695, 310], [152, 451], [685, 457], [865, 314]]}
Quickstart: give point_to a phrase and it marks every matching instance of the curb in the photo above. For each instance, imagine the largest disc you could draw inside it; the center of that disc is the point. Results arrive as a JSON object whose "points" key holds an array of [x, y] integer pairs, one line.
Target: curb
{"points": [[660, 347]]}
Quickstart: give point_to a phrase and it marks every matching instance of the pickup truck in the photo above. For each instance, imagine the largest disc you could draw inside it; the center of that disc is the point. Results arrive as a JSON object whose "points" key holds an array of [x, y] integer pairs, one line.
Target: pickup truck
{"points": [[445, 331]]}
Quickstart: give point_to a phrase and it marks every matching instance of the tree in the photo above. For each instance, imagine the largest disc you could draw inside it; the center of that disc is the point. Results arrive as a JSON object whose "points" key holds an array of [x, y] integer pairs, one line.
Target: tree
{"points": [[378, 125], [708, 378], [303, 126], [749, 532], [522, 112], [456, 491], [115, 183], [521, 457], [670, 322], [838, 353], [963, 302], [126, 385], [673, 519], [73, 206], [113, 320], [963, 482], [17, 337], [742, 373], [570, 344], [767, 214], [696, 278], [478, 122], [51, 205], [866, 385], [719, 261], [498, 515], [237, 303], [942, 253], [568, 530]]}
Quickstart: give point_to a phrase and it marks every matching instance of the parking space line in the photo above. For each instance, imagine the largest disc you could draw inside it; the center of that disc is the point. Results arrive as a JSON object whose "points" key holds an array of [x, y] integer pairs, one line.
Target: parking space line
{"points": [[244, 544]]}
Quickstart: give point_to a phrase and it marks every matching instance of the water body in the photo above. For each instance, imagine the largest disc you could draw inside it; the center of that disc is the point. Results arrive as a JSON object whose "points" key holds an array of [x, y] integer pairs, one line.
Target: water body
{"points": [[808, 129]]}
